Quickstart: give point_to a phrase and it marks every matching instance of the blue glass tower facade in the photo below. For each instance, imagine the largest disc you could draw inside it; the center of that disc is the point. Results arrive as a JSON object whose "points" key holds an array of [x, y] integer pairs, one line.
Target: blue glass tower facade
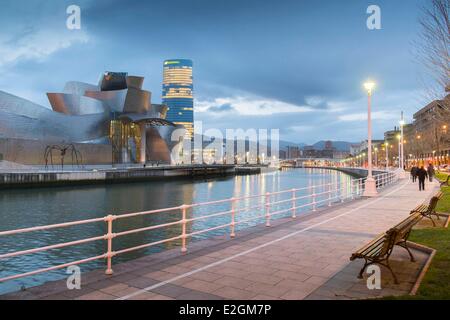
{"points": [[177, 93]]}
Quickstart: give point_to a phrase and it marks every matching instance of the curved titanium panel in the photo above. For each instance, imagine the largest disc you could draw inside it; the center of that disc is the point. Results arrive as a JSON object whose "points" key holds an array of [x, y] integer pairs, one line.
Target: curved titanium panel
{"points": [[159, 144], [158, 111], [79, 88], [75, 105], [135, 82], [22, 119], [115, 100], [137, 101]]}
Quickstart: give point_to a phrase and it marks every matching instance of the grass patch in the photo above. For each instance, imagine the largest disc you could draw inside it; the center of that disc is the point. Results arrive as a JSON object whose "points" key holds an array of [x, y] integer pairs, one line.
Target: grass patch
{"points": [[444, 204], [436, 283]]}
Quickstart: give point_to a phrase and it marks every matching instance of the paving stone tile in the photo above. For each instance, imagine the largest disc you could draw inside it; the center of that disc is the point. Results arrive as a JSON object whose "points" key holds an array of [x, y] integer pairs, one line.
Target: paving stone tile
{"points": [[296, 294], [315, 280], [140, 282], [263, 278], [170, 290], [160, 275], [234, 282], [292, 275], [114, 288], [271, 290], [263, 297], [196, 295], [234, 293], [204, 286], [96, 295], [206, 276], [71, 294]]}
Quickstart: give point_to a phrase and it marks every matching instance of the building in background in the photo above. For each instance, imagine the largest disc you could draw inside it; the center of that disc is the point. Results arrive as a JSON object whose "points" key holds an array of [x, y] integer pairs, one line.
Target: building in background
{"points": [[293, 152], [177, 93], [112, 122], [427, 139]]}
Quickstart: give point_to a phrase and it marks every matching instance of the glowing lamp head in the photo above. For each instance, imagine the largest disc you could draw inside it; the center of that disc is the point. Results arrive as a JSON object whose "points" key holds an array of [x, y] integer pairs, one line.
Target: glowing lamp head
{"points": [[369, 86]]}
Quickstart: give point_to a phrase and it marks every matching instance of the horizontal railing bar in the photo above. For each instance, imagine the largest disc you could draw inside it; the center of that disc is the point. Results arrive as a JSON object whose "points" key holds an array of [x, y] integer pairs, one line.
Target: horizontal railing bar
{"points": [[260, 206], [280, 212], [281, 202], [50, 247], [217, 214], [50, 226], [208, 230], [26, 274], [250, 219], [145, 245], [129, 215], [127, 232]]}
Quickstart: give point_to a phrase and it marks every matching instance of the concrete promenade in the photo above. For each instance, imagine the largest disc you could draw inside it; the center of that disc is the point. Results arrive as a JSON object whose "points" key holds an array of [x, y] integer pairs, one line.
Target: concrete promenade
{"points": [[305, 258]]}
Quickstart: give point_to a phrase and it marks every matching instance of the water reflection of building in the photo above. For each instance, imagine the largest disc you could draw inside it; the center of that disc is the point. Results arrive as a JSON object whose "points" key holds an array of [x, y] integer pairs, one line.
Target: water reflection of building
{"points": [[111, 122]]}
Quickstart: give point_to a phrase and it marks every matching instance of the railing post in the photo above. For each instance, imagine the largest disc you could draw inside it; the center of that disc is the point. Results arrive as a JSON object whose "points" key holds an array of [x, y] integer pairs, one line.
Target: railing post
{"points": [[352, 193], [329, 195], [233, 208], [267, 200], [109, 237], [183, 228], [293, 205], [314, 197]]}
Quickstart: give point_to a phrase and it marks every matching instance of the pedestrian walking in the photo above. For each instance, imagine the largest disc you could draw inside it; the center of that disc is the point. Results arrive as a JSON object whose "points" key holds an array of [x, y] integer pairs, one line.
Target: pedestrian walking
{"points": [[414, 173], [430, 171], [422, 175]]}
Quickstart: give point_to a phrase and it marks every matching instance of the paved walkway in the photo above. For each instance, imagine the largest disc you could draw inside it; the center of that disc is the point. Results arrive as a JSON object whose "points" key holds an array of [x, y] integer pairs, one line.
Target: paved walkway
{"points": [[306, 258]]}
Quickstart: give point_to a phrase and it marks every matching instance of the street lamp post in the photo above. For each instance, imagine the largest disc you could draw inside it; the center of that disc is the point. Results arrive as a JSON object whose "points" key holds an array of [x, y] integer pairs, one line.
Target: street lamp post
{"points": [[370, 185], [402, 149], [376, 157], [386, 146]]}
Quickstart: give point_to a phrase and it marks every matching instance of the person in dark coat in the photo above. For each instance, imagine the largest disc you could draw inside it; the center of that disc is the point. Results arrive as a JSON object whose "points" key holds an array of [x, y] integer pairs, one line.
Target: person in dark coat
{"points": [[422, 175], [414, 173], [430, 170]]}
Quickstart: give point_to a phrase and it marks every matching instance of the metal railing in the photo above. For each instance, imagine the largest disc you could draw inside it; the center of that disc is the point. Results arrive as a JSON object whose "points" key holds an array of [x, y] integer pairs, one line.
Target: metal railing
{"points": [[269, 205]]}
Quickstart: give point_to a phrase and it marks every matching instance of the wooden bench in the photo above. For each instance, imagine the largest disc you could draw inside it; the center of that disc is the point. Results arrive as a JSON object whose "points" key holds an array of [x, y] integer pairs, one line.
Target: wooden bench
{"points": [[380, 249], [428, 210]]}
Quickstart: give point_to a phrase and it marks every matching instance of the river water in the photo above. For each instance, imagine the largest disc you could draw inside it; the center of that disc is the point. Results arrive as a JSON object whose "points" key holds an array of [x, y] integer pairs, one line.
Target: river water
{"points": [[43, 206]]}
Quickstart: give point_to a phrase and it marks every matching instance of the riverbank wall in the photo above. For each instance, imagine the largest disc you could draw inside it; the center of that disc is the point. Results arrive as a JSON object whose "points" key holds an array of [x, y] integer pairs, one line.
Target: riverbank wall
{"points": [[113, 175], [355, 172]]}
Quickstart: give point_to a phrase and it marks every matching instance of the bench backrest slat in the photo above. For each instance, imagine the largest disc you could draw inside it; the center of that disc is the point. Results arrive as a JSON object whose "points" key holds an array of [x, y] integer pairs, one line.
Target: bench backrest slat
{"points": [[402, 229]]}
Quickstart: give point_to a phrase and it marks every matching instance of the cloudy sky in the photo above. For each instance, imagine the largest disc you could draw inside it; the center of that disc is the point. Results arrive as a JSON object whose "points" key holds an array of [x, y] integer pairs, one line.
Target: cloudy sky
{"points": [[294, 65]]}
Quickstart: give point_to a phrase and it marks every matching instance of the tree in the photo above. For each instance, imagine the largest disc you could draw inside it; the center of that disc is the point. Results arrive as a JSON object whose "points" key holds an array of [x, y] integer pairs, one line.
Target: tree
{"points": [[434, 45]]}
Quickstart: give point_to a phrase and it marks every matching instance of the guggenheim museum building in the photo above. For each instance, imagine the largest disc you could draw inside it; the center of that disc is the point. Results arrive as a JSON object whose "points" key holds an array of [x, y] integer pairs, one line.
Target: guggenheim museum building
{"points": [[113, 122]]}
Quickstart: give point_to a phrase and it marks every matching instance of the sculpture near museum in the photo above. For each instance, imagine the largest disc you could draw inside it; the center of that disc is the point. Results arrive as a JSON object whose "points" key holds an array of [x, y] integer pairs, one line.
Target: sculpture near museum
{"points": [[62, 149]]}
